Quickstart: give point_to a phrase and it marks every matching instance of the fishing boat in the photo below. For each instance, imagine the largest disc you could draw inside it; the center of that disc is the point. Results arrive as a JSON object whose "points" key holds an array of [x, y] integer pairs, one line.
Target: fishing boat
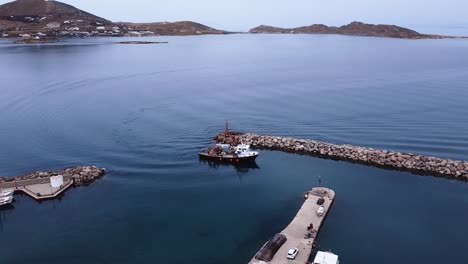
{"points": [[227, 153]]}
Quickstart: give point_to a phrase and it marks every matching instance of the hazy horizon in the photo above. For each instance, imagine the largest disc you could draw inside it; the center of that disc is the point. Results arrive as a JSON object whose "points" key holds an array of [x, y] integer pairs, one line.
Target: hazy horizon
{"points": [[243, 15]]}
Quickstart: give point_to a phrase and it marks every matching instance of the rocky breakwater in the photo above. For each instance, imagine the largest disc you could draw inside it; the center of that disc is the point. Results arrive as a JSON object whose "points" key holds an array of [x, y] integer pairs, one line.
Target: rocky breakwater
{"points": [[81, 175], [380, 158]]}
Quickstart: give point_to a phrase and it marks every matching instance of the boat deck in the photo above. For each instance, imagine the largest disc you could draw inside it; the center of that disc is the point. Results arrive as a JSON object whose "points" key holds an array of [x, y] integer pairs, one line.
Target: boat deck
{"points": [[296, 231]]}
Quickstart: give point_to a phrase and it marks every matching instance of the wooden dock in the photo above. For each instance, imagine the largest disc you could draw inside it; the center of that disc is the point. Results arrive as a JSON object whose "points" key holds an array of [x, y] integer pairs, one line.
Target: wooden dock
{"points": [[297, 233]]}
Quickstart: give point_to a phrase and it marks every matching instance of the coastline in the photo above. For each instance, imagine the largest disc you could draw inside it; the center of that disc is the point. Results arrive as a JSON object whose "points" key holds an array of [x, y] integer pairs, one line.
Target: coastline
{"points": [[28, 41]]}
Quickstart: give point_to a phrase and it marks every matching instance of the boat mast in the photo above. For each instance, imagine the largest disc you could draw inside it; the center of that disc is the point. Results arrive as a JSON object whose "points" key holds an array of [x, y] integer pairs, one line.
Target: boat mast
{"points": [[226, 129]]}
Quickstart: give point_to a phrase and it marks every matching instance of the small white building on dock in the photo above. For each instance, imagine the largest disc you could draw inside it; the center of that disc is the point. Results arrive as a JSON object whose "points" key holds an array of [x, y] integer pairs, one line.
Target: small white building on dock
{"points": [[326, 258]]}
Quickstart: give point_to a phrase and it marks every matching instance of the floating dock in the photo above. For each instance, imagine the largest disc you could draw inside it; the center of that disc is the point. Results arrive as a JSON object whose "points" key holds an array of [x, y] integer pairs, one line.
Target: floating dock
{"points": [[414, 163], [303, 229], [39, 185]]}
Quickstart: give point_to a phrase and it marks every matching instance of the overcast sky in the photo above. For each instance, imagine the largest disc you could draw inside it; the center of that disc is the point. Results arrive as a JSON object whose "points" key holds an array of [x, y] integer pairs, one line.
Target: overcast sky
{"points": [[245, 14]]}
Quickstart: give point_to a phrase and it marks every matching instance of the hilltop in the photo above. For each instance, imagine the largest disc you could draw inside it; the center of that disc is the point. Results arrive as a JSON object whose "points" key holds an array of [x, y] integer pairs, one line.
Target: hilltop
{"points": [[30, 11], [354, 28], [46, 20]]}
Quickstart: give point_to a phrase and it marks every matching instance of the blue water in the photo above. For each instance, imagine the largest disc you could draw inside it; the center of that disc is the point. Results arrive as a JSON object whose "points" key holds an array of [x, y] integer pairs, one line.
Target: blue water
{"points": [[143, 111]]}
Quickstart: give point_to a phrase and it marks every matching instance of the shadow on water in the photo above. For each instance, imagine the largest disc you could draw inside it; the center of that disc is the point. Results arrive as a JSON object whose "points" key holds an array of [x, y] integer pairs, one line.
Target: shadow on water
{"points": [[49, 48], [19, 198], [241, 168], [3, 214], [71, 259], [53, 200]]}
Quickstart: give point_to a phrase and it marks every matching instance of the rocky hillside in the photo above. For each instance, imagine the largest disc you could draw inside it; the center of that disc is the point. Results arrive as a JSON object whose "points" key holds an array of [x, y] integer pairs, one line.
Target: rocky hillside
{"points": [[37, 20], [354, 28], [173, 28], [41, 11]]}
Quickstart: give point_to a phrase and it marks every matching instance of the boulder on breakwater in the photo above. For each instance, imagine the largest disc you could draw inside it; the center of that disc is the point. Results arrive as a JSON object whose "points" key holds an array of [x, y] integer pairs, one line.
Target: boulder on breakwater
{"points": [[81, 175], [380, 158]]}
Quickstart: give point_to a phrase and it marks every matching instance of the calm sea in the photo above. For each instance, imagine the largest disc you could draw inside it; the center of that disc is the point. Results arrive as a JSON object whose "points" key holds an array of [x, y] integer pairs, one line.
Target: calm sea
{"points": [[143, 112]]}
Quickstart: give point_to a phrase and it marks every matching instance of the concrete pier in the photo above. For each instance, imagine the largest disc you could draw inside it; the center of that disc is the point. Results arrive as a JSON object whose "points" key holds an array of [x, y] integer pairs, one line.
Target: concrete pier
{"points": [[415, 163], [297, 233], [40, 189], [38, 184]]}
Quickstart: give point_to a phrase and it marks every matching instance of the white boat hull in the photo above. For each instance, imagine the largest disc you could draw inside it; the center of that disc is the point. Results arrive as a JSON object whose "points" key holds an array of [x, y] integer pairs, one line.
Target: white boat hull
{"points": [[6, 193], [6, 200]]}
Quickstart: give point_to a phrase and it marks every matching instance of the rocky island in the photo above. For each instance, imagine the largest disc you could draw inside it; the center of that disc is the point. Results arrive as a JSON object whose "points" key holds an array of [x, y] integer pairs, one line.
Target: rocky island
{"points": [[354, 29]]}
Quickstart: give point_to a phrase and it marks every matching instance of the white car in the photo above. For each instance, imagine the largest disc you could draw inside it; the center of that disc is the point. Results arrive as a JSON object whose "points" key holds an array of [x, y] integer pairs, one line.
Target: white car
{"points": [[321, 211], [292, 253]]}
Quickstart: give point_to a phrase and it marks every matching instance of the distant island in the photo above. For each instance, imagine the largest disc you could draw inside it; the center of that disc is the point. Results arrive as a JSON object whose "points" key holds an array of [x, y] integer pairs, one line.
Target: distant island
{"points": [[354, 28], [42, 21]]}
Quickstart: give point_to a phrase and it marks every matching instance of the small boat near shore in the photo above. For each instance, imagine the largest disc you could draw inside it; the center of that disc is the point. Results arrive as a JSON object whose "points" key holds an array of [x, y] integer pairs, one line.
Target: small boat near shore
{"points": [[6, 197], [6, 200], [227, 153], [6, 193]]}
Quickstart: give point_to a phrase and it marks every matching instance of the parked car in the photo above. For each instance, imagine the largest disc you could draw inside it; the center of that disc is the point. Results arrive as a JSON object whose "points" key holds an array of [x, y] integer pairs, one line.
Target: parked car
{"points": [[320, 201], [292, 253], [321, 211]]}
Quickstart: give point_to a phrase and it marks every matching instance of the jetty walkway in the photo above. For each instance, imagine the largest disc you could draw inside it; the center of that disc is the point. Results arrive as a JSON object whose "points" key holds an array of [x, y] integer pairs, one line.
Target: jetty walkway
{"points": [[303, 229], [38, 184], [419, 164]]}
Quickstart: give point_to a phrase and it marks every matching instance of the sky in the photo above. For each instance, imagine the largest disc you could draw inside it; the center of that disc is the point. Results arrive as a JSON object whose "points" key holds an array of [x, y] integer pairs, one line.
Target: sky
{"points": [[241, 15]]}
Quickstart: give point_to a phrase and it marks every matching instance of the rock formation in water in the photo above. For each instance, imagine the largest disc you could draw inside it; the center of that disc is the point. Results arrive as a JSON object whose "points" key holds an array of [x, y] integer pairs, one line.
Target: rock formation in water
{"points": [[354, 28], [81, 175], [369, 156]]}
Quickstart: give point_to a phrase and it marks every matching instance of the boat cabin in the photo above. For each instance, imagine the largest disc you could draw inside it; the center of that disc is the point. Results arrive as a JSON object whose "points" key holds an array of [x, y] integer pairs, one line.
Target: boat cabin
{"points": [[242, 148]]}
